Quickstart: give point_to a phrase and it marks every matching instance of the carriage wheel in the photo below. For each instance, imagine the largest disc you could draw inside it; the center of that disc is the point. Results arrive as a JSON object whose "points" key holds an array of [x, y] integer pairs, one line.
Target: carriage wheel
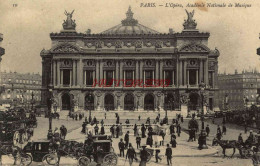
{"points": [[26, 159], [149, 156], [83, 161], [51, 159], [110, 160], [246, 153]]}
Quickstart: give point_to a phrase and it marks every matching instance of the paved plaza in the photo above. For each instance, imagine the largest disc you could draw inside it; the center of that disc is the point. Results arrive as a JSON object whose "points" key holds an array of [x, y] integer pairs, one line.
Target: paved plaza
{"points": [[186, 153]]}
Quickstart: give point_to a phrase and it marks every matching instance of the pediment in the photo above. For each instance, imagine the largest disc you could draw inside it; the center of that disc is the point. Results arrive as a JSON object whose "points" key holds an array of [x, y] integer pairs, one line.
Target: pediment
{"points": [[194, 48], [66, 48]]}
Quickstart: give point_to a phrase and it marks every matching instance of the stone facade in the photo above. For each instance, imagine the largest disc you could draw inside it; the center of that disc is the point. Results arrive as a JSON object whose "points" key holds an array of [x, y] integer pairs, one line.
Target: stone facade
{"points": [[161, 67], [238, 90], [20, 88]]}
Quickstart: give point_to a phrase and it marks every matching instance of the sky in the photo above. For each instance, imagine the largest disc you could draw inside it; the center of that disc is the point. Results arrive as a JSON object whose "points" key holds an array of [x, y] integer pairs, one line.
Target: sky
{"points": [[27, 24]]}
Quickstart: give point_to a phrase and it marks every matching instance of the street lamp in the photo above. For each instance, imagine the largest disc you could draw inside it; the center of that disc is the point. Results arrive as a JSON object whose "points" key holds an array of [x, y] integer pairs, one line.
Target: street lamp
{"points": [[89, 101], [49, 105], [202, 89]]}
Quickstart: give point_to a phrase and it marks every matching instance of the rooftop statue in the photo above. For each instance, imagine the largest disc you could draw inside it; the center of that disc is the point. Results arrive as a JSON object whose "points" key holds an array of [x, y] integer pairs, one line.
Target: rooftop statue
{"points": [[190, 23], [69, 24]]}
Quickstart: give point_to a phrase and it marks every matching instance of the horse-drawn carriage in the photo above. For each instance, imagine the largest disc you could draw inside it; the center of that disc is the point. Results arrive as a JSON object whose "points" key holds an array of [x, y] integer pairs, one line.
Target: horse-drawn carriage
{"points": [[13, 139], [98, 149]]}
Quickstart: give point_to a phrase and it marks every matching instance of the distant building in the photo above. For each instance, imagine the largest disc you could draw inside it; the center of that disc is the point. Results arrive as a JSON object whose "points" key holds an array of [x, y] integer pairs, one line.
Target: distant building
{"points": [[20, 88], [239, 89], [2, 52]]}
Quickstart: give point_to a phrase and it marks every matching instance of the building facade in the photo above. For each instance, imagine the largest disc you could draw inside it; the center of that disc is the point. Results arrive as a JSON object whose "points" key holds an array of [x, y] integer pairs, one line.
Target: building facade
{"points": [[21, 89], [129, 67], [2, 52], [238, 90]]}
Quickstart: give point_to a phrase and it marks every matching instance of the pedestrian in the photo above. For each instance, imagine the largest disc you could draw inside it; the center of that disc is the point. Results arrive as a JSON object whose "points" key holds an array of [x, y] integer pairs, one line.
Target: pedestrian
{"points": [[138, 141], [162, 134], [224, 129], [105, 115], [126, 139], [117, 131], [96, 129], [94, 120], [120, 129], [144, 156], [178, 130], [76, 117], [84, 127], [157, 151], [219, 136], [149, 140], [112, 131], [121, 146], [219, 130], [182, 119], [168, 154], [102, 132], [135, 130], [173, 140], [143, 129], [139, 118], [80, 116], [207, 130], [117, 119], [64, 132], [172, 129], [240, 139], [131, 154], [102, 122]]}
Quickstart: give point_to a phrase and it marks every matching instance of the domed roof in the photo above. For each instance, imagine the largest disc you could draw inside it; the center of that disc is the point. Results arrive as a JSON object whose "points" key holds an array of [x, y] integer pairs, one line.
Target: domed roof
{"points": [[130, 26]]}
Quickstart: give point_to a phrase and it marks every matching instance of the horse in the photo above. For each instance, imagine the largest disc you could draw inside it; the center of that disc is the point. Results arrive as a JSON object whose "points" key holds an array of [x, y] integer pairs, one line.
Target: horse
{"points": [[226, 144]]}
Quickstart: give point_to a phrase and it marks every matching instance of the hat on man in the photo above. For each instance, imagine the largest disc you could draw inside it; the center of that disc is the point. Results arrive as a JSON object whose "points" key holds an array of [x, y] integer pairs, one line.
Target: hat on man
{"points": [[251, 131]]}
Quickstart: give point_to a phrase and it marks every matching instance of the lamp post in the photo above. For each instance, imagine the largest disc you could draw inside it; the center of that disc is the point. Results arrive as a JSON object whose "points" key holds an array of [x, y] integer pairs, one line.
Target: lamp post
{"points": [[202, 139], [89, 101], [202, 88], [49, 104]]}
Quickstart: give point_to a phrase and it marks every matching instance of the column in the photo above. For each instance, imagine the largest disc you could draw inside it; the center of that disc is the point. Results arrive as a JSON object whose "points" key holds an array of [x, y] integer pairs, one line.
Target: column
{"points": [[213, 79], [51, 73], [162, 80], [74, 73], [177, 73], [61, 77], [206, 81], [136, 70], [188, 77], [58, 73], [180, 73], [201, 71], [173, 79], [71, 78], [156, 69], [84, 78], [97, 72], [113, 83], [121, 73], [197, 77], [185, 72], [80, 72], [117, 70], [101, 71], [153, 78], [54, 72], [141, 71]]}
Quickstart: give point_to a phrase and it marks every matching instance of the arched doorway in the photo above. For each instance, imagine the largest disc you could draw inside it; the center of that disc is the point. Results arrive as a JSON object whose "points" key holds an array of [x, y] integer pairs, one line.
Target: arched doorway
{"points": [[89, 102], [149, 102], [129, 102], [169, 102], [109, 102], [194, 101], [66, 102]]}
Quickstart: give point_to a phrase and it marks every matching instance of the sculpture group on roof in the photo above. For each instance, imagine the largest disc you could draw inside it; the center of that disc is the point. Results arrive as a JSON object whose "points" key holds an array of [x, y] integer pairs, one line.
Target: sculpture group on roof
{"points": [[69, 24]]}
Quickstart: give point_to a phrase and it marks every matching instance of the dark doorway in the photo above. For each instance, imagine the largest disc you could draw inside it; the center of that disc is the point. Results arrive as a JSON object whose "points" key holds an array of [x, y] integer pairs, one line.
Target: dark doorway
{"points": [[66, 103], [169, 102], [89, 102], [129, 102], [66, 77], [149, 102], [109, 102], [210, 103], [194, 101], [192, 77]]}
